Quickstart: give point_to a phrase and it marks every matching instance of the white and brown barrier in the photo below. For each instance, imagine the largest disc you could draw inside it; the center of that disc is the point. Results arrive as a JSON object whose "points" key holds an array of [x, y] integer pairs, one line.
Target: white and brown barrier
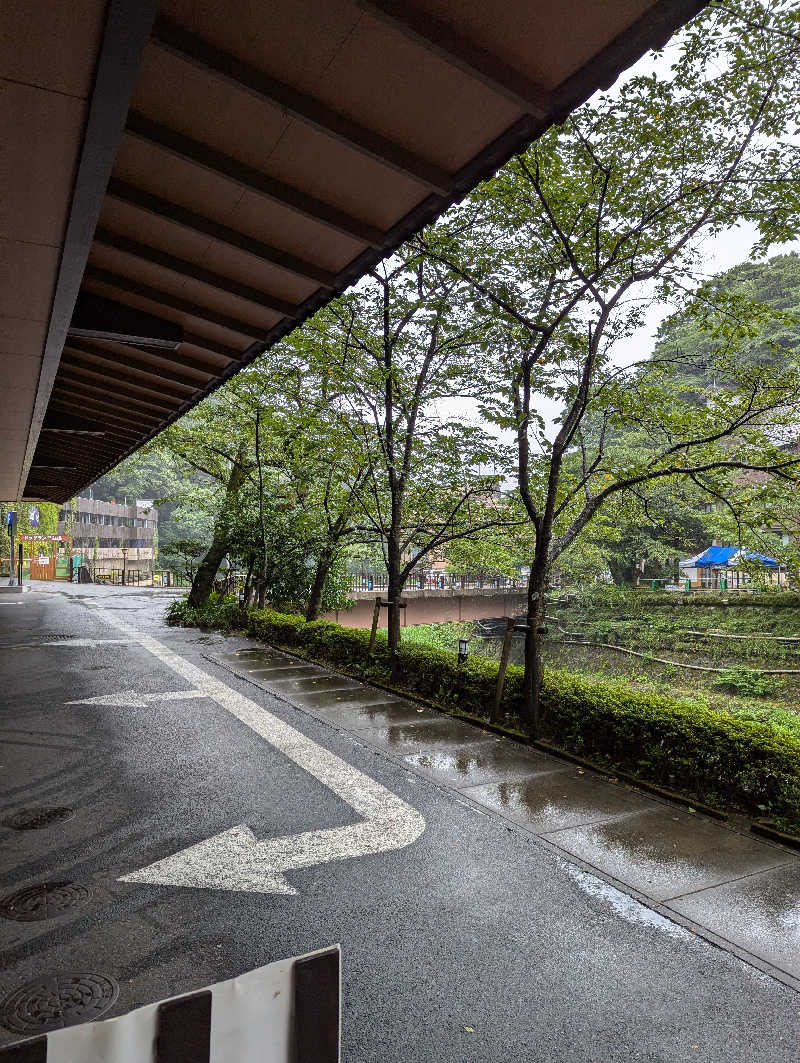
{"points": [[286, 1012]]}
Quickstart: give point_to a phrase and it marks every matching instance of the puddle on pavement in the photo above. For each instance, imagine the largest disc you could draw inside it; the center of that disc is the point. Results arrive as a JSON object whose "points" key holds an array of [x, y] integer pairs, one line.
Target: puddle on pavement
{"points": [[333, 700], [372, 715], [668, 853], [280, 671], [556, 799], [321, 683], [252, 659], [760, 913], [290, 674], [438, 731], [489, 760]]}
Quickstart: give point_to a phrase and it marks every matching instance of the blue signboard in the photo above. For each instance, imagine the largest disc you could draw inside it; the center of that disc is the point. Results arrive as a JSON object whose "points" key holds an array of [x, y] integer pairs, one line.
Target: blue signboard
{"points": [[33, 516]]}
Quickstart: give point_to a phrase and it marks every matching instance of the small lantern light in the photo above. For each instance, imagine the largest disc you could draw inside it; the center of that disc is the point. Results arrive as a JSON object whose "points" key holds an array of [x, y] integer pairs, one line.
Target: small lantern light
{"points": [[463, 650]]}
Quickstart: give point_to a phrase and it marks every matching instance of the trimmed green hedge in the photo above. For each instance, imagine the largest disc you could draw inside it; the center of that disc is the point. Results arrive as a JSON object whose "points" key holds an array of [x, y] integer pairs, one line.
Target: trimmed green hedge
{"points": [[720, 599], [720, 760]]}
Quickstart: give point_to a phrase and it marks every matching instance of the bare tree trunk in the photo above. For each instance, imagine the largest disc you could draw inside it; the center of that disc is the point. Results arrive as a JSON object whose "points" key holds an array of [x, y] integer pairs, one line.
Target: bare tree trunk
{"points": [[261, 582], [534, 667], [261, 588], [248, 582], [394, 591], [324, 563], [209, 566]]}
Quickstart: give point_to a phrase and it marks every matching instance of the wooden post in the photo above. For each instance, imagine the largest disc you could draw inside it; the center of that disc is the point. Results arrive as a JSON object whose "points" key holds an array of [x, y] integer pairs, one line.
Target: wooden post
{"points": [[375, 617], [501, 674]]}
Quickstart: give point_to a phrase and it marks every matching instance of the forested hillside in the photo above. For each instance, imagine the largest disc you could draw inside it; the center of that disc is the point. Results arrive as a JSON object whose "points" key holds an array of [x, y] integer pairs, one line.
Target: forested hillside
{"points": [[768, 291]]}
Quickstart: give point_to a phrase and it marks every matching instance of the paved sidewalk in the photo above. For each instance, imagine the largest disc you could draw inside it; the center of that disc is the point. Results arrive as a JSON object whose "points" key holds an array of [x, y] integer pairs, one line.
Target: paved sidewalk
{"points": [[740, 892]]}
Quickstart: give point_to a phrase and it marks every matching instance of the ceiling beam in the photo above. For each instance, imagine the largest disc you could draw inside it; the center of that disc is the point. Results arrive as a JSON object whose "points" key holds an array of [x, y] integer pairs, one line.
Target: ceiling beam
{"points": [[72, 425], [122, 404], [109, 411], [172, 302], [88, 461], [73, 451], [126, 31], [105, 385], [187, 219], [78, 448], [172, 358], [124, 429], [43, 491], [250, 179], [192, 271], [226, 67], [98, 318], [112, 369], [48, 478], [205, 344], [440, 38]]}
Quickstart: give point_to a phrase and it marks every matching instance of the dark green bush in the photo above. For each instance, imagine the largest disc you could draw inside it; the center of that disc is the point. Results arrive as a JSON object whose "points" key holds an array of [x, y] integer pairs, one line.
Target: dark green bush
{"points": [[220, 611], [679, 745]]}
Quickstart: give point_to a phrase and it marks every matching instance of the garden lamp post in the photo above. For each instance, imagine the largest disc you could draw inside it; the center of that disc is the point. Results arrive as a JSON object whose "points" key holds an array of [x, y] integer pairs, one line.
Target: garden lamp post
{"points": [[463, 650]]}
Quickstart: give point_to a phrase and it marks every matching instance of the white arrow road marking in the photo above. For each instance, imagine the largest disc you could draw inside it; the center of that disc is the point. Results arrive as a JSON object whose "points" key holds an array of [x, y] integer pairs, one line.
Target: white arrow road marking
{"points": [[236, 859], [135, 700]]}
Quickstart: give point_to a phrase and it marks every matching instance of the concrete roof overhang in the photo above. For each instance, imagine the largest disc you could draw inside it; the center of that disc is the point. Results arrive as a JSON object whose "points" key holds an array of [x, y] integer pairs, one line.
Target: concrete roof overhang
{"points": [[184, 182]]}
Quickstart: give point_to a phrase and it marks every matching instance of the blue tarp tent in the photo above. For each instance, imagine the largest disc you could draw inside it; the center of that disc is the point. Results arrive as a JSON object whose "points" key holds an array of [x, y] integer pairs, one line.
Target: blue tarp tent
{"points": [[727, 557]]}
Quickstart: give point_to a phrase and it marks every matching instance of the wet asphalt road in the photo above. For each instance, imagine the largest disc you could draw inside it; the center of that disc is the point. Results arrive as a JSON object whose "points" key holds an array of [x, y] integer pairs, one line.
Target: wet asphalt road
{"points": [[475, 943]]}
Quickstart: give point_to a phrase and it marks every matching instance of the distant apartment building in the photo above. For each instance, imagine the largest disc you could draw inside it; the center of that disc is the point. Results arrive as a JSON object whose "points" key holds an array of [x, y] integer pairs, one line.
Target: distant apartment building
{"points": [[108, 534]]}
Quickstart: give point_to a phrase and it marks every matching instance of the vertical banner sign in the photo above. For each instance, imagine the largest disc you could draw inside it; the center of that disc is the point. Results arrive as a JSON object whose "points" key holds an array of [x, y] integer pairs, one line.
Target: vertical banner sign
{"points": [[12, 531], [33, 516]]}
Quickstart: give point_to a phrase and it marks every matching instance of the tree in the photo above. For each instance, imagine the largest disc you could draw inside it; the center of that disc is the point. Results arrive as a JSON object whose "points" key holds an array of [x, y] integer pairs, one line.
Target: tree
{"points": [[203, 581], [401, 348], [304, 451], [569, 244], [185, 554]]}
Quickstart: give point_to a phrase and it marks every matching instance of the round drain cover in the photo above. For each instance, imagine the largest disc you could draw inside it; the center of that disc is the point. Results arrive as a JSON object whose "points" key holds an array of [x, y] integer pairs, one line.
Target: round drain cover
{"points": [[37, 818], [57, 1000], [46, 900]]}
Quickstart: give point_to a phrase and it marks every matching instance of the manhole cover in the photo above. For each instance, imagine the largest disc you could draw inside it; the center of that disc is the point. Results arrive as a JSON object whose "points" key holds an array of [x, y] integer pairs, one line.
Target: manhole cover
{"points": [[37, 818], [57, 1000], [43, 901]]}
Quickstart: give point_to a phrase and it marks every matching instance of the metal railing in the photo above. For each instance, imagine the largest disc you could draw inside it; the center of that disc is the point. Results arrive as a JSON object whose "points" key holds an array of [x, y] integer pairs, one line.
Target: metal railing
{"points": [[433, 580]]}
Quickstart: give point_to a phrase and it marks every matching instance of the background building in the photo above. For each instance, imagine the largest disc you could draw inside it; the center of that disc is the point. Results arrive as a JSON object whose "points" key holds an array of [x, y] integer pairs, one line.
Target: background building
{"points": [[111, 536]]}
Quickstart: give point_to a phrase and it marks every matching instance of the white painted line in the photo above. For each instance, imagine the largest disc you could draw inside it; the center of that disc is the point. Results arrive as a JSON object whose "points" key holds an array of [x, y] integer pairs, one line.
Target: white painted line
{"points": [[85, 642], [12, 603], [236, 859], [134, 699], [45, 644]]}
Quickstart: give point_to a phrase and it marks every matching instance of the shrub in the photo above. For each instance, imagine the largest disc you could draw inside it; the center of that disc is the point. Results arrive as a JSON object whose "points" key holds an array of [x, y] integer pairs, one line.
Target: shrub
{"points": [[744, 681], [221, 611], [677, 744]]}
